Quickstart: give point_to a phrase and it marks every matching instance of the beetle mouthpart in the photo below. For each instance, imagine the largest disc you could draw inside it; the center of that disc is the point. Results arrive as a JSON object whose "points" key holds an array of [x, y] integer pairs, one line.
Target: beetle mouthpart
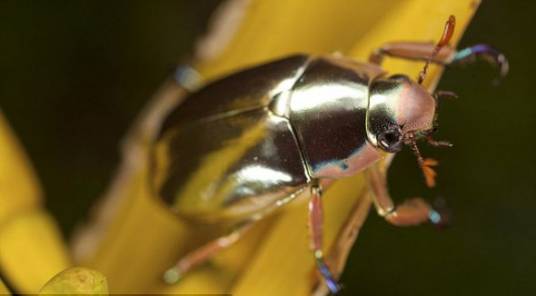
{"points": [[425, 164], [429, 173]]}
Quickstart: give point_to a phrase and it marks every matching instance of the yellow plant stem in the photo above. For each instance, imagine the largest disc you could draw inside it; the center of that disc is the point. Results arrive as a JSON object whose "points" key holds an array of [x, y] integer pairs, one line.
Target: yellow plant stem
{"points": [[19, 189], [31, 250]]}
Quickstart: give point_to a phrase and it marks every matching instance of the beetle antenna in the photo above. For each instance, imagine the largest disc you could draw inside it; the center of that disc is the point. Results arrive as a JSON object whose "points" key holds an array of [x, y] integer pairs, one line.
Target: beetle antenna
{"points": [[445, 39], [438, 94]]}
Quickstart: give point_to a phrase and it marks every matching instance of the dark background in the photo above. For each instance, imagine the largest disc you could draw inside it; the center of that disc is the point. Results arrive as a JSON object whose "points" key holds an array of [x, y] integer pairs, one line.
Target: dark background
{"points": [[74, 74]]}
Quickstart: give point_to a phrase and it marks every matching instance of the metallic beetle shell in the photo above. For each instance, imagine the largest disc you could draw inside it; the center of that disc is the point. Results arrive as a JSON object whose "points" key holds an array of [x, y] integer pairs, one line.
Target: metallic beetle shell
{"points": [[243, 145], [327, 109]]}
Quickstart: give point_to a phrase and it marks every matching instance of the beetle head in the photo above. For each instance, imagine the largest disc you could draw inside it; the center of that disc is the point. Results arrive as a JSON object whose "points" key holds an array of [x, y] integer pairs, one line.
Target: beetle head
{"points": [[399, 112], [398, 109]]}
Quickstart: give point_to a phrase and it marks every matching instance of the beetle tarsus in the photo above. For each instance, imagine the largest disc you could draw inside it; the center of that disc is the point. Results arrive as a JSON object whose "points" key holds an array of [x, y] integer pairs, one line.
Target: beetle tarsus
{"points": [[487, 52], [332, 284], [434, 217]]}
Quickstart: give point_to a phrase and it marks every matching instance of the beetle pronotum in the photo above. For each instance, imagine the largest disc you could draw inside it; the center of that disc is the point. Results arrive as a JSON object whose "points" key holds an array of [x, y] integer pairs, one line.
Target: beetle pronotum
{"points": [[244, 145]]}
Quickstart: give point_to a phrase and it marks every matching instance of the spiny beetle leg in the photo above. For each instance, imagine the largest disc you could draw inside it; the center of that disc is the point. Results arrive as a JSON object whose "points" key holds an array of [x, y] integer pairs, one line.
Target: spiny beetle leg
{"points": [[315, 228]]}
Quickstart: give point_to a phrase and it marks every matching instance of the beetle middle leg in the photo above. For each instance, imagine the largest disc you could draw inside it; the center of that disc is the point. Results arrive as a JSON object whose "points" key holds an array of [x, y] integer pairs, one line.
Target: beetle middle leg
{"points": [[204, 253], [412, 212], [315, 228], [423, 51]]}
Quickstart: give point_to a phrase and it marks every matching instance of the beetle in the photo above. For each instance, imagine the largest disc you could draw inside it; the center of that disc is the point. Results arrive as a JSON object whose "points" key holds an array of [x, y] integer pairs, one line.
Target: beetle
{"points": [[244, 145]]}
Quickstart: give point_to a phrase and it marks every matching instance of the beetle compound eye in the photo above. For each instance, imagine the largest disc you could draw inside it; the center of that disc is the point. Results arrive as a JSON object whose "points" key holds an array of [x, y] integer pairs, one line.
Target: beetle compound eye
{"points": [[391, 140]]}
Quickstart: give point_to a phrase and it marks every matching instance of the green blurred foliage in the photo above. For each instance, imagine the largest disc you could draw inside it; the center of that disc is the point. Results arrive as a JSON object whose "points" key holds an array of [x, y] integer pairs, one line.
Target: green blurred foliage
{"points": [[74, 74]]}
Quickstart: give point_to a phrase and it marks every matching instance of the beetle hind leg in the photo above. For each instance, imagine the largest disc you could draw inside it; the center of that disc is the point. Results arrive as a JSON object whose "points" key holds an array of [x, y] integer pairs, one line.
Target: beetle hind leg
{"points": [[315, 228], [204, 253]]}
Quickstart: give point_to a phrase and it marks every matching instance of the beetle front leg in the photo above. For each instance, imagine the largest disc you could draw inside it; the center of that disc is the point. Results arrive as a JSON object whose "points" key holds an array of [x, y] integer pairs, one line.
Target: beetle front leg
{"points": [[204, 253], [423, 51], [418, 51], [315, 228], [412, 212]]}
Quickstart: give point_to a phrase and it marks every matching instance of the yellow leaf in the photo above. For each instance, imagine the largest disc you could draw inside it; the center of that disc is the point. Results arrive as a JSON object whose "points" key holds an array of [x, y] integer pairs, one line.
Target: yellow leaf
{"points": [[3, 289], [31, 250], [19, 188], [76, 281]]}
